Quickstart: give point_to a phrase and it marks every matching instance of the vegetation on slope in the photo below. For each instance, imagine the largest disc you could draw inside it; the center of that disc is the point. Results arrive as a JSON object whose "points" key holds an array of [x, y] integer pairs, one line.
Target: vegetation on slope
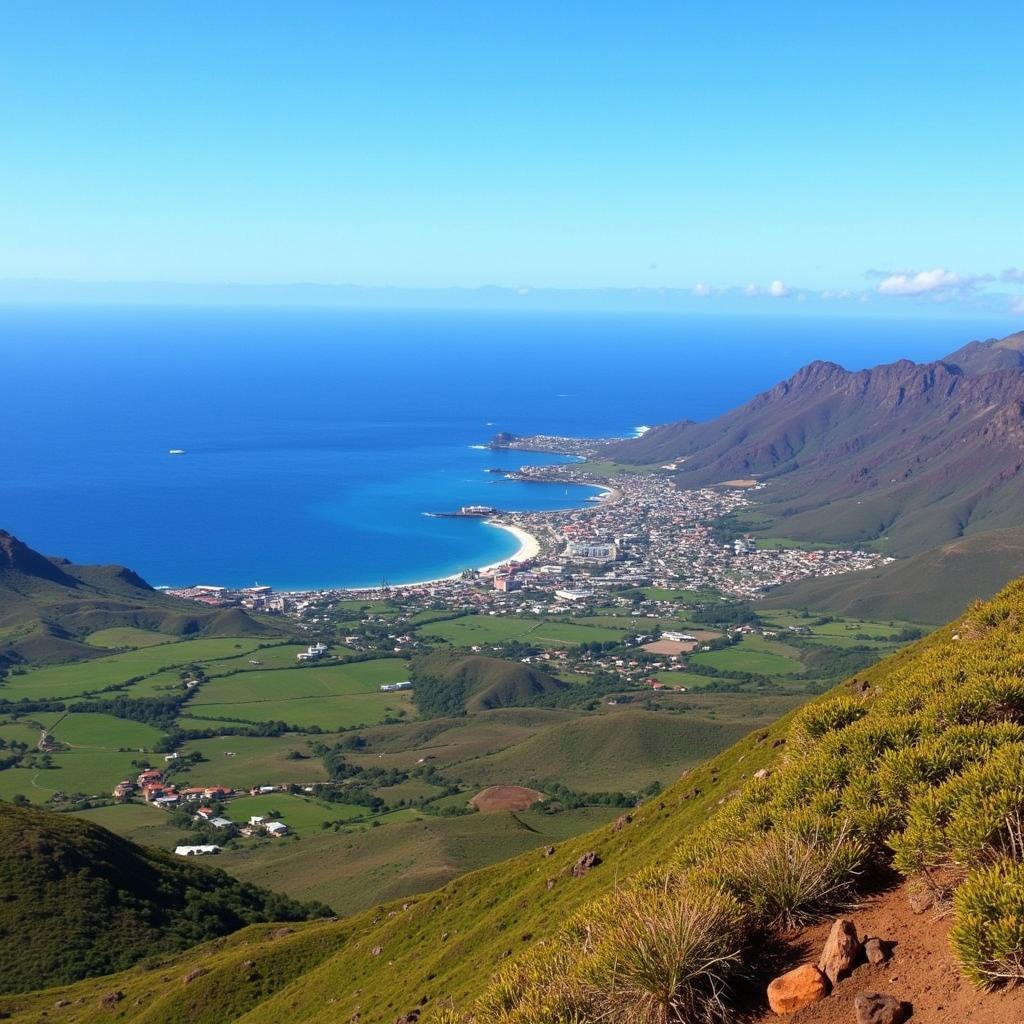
{"points": [[913, 767], [79, 901]]}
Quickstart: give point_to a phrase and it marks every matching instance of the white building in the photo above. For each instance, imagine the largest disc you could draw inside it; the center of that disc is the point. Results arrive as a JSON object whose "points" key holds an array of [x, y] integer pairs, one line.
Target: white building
{"points": [[195, 851], [591, 552]]}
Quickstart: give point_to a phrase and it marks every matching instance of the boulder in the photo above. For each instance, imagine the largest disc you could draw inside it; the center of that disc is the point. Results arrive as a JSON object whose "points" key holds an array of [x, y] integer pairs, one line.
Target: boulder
{"points": [[841, 952], [796, 989], [877, 1008], [197, 973], [621, 822]]}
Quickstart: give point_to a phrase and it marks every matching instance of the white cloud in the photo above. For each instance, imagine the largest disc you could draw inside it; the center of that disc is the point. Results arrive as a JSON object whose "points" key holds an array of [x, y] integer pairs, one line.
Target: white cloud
{"points": [[1013, 275], [778, 290], [752, 289], [1017, 305], [927, 282], [702, 289]]}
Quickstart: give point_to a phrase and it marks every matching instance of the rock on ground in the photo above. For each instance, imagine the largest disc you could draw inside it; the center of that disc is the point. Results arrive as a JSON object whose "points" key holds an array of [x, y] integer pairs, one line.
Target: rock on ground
{"points": [[796, 989]]}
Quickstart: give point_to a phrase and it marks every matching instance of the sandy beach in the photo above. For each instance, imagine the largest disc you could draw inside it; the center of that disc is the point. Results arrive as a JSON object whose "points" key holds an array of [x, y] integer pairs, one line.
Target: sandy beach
{"points": [[529, 546]]}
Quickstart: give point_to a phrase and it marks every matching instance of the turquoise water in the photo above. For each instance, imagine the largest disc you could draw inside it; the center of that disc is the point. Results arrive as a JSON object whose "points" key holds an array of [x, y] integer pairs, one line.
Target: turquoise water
{"points": [[317, 439]]}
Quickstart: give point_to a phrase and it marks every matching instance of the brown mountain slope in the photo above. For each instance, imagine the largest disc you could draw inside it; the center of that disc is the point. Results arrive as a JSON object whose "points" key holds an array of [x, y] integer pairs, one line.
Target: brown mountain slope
{"points": [[909, 454]]}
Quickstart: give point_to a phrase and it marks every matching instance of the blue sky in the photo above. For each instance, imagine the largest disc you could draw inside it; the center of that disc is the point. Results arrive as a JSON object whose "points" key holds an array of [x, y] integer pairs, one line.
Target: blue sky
{"points": [[868, 151]]}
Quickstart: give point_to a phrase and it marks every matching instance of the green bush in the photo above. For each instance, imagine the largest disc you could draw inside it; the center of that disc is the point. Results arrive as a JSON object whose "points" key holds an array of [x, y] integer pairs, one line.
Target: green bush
{"points": [[793, 874], [988, 933], [667, 956], [822, 717]]}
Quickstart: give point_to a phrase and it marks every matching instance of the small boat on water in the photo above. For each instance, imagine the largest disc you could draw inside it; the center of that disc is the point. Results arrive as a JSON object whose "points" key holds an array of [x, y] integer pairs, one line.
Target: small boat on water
{"points": [[176, 451]]}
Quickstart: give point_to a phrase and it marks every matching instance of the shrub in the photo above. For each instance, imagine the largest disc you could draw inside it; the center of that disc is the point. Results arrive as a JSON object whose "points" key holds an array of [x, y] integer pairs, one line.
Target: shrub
{"points": [[988, 933], [824, 717], [788, 878], [667, 956]]}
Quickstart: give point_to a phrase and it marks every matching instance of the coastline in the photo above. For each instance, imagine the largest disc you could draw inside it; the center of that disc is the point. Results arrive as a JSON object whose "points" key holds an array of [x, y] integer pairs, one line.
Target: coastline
{"points": [[529, 546]]}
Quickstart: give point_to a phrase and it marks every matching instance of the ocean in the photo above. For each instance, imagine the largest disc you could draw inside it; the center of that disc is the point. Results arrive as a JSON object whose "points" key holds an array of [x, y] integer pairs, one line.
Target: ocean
{"points": [[317, 438]]}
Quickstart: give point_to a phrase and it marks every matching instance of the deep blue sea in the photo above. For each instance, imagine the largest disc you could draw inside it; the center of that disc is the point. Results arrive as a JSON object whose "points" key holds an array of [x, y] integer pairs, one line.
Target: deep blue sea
{"points": [[317, 439]]}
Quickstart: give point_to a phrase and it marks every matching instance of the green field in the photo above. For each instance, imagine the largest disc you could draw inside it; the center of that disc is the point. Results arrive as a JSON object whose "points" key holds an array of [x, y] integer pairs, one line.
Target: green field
{"points": [[141, 823], [55, 682], [301, 814], [329, 696], [482, 630], [128, 636], [243, 761], [683, 595], [753, 654], [412, 789], [297, 683], [691, 680], [104, 732], [625, 749], [21, 732], [92, 772], [333, 713]]}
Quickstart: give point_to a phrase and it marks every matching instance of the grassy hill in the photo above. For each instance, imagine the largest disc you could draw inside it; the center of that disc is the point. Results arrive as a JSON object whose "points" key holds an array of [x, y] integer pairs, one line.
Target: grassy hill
{"points": [[49, 607], [449, 682], [79, 901], [912, 770], [624, 751]]}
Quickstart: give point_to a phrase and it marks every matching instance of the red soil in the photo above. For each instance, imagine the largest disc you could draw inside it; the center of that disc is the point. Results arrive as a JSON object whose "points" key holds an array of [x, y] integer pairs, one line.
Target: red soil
{"points": [[921, 971], [505, 798]]}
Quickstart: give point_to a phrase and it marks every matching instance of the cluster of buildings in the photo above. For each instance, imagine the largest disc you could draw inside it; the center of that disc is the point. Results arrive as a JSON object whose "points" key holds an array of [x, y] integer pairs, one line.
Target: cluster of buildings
{"points": [[648, 531], [152, 785], [155, 789]]}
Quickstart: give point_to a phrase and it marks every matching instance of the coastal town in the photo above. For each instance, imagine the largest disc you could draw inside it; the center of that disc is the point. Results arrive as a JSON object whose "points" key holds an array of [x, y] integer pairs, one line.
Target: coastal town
{"points": [[639, 530]]}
